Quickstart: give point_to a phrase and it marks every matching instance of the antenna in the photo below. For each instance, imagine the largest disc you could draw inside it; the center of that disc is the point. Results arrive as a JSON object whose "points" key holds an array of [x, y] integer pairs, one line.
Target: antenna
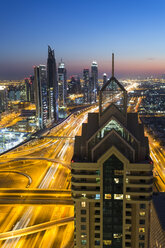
{"points": [[112, 64]]}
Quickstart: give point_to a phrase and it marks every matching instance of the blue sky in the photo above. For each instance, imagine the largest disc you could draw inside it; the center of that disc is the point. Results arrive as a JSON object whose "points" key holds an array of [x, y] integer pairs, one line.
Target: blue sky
{"points": [[81, 31]]}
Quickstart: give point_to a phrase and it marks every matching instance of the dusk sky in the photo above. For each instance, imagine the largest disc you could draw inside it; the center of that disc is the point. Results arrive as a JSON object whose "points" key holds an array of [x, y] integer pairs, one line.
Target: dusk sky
{"points": [[81, 31]]}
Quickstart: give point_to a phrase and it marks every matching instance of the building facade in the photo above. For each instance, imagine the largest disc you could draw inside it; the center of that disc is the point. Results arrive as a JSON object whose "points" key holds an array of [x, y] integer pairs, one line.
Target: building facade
{"points": [[94, 81], [86, 85], [112, 176], [62, 84], [52, 86], [40, 86]]}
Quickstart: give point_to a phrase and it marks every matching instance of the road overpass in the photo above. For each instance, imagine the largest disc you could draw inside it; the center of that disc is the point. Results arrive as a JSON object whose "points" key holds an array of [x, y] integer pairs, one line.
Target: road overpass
{"points": [[34, 229]]}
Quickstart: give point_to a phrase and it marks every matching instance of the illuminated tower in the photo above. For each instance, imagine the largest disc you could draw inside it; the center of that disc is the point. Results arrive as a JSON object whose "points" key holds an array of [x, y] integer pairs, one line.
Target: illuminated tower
{"points": [[112, 176], [104, 78], [86, 85], [52, 84], [40, 88], [94, 81], [62, 83]]}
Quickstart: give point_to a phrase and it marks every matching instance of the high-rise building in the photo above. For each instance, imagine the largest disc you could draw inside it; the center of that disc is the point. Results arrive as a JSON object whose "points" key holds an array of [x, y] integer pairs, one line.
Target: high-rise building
{"points": [[3, 99], [29, 84], [104, 78], [94, 81], [112, 176], [40, 87], [52, 84], [62, 84], [86, 85]]}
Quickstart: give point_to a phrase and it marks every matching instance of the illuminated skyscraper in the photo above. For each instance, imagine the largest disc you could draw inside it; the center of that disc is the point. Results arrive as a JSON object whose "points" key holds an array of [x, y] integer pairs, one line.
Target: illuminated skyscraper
{"points": [[112, 176], [40, 88], [86, 85], [62, 84], [52, 86], [94, 81], [104, 78]]}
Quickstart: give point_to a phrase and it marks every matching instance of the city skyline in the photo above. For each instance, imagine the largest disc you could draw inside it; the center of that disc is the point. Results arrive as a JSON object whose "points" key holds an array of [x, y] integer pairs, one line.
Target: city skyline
{"points": [[82, 32]]}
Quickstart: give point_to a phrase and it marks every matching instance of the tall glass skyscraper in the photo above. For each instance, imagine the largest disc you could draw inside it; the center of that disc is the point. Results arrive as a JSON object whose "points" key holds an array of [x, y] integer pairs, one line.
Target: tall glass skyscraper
{"points": [[62, 84], [94, 81], [52, 86], [40, 88], [86, 85]]}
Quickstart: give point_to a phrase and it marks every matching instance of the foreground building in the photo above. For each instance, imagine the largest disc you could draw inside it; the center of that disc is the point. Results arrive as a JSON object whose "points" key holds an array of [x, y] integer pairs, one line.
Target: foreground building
{"points": [[112, 176]]}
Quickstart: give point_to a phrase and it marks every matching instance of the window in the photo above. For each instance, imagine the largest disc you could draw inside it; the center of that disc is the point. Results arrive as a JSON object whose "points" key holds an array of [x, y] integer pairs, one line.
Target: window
{"points": [[141, 245], [142, 206], [118, 172], [141, 237], [97, 197], [127, 180], [83, 219], [142, 213], [97, 242], [116, 180], [83, 204], [118, 196], [83, 241], [83, 211], [128, 197], [97, 180], [83, 195], [142, 222], [117, 235], [107, 196], [107, 242], [83, 235], [83, 227], [141, 229]]}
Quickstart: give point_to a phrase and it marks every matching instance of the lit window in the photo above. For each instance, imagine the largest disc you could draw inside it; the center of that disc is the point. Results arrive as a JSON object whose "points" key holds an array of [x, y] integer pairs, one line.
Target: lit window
{"points": [[141, 229], [83, 204], [116, 180], [118, 172], [128, 197], [107, 196], [97, 197], [83, 235], [97, 180], [117, 235], [107, 242], [142, 213], [83, 195], [127, 181], [118, 196], [83, 241]]}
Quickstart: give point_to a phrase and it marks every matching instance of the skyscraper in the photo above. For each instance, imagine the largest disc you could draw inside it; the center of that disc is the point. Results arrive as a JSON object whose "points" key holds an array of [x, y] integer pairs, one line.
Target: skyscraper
{"points": [[104, 78], [94, 81], [86, 85], [62, 83], [112, 176], [40, 88], [52, 86]]}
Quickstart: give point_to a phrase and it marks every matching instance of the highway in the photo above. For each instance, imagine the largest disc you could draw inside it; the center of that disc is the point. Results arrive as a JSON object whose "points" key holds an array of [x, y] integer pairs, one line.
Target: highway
{"points": [[44, 161]]}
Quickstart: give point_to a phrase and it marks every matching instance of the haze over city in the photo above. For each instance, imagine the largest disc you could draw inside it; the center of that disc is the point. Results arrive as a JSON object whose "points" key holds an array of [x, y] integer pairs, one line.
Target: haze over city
{"points": [[80, 32]]}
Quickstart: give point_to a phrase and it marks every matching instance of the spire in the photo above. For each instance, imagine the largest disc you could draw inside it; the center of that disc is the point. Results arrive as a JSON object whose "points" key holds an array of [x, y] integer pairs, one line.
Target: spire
{"points": [[112, 64]]}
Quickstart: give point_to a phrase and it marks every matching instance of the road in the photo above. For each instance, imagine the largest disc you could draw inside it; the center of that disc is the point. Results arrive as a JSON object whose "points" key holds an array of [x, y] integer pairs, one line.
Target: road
{"points": [[43, 160], [42, 165]]}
